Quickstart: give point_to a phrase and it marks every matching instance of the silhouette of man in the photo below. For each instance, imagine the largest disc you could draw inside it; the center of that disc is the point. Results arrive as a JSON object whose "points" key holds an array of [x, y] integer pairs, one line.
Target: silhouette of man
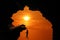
{"points": [[12, 34]]}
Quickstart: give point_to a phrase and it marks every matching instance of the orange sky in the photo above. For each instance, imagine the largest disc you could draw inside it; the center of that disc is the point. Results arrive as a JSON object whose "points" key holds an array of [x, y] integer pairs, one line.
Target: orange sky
{"points": [[39, 27]]}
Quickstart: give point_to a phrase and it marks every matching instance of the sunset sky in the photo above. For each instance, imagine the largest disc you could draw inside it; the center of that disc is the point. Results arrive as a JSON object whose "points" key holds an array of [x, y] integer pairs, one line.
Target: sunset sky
{"points": [[39, 28]]}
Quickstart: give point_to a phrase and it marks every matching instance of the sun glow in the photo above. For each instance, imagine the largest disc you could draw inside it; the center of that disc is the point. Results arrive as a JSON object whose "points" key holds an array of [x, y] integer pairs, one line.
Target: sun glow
{"points": [[26, 18]]}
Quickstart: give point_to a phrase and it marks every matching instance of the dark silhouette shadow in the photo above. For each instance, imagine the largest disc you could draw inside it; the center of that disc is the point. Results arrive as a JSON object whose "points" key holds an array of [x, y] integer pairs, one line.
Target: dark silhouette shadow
{"points": [[12, 34]]}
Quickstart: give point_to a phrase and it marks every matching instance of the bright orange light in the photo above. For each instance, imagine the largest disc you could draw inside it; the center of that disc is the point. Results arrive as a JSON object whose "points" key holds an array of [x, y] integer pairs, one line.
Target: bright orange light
{"points": [[39, 27], [26, 18]]}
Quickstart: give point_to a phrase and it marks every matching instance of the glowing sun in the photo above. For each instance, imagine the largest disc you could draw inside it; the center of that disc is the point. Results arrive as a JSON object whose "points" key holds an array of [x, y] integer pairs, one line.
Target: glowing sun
{"points": [[26, 18]]}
